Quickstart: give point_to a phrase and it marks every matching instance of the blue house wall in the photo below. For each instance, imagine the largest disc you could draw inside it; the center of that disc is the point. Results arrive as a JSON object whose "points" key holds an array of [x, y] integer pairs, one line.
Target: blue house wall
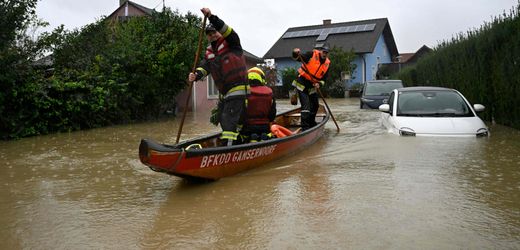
{"points": [[283, 63], [380, 55]]}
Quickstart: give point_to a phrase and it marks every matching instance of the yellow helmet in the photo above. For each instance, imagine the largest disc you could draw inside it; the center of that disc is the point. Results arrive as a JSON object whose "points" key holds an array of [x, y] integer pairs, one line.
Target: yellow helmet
{"points": [[257, 74]]}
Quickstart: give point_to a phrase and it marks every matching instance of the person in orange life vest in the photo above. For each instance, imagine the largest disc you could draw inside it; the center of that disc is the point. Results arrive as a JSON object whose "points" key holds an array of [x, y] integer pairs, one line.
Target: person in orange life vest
{"points": [[261, 108], [225, 61], [311, 76]]}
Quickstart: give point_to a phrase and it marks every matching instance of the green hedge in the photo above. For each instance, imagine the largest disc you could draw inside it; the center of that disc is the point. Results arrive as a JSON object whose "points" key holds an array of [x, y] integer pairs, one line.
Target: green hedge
{"points": [[105, 73], [482, 64]]}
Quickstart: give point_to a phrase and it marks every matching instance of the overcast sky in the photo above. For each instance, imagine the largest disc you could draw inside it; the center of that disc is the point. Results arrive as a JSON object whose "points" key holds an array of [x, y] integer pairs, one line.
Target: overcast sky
{"points": [[260, 23]]}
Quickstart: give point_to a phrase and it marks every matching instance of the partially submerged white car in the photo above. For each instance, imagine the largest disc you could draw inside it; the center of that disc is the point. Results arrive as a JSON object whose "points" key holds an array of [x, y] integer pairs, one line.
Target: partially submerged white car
{"points": [[432, 111]]}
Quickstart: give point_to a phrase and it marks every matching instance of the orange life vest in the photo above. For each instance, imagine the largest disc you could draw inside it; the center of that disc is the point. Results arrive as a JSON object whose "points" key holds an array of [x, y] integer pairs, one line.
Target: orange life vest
{"points": [[280, 131], [314, 70], [259, 105], [227, 67]]}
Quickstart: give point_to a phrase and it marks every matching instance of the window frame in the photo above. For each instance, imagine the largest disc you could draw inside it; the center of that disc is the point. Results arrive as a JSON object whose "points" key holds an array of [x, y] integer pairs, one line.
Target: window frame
{"points": [[211, 90]]}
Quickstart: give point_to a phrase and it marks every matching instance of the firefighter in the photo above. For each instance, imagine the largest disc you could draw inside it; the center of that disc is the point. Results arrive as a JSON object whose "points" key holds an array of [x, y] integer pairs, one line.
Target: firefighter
{"points": [[261, 108], [225, 61], [311, 76]]}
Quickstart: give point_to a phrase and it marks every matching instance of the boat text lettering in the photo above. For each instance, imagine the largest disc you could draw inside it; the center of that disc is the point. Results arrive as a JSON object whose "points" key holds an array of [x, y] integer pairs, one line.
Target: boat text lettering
{"points": [[219, 159]]}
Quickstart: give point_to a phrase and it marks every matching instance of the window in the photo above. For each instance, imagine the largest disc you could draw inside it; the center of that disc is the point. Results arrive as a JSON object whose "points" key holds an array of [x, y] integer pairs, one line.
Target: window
{"points": [[381, 87], [430, 103], [212, 89]]}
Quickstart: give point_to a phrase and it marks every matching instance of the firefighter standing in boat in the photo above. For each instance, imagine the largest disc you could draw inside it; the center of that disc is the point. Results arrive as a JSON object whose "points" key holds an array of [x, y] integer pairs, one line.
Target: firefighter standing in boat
{"points": [[225, 61], [312, 75]]}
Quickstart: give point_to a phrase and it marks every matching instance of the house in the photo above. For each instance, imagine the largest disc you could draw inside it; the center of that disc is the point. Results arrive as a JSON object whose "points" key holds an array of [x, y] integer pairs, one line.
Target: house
{"points": [[417, 55], [204, 95], [403, 60], [129, 9], [371, 40]]}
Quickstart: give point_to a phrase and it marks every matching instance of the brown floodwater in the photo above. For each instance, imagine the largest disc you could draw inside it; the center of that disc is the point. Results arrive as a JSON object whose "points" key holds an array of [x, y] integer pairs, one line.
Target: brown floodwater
{"points": [[358, 189]]}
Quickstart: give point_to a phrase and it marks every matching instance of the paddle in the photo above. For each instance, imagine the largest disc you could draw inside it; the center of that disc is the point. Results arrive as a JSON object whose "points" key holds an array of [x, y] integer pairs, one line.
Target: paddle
{"points": [[319, 91], [190, 83], [326, 105]]}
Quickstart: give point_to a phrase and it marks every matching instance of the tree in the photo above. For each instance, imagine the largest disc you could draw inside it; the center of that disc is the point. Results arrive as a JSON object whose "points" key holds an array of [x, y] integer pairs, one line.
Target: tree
{"points": [[105, 73], [341, 61], [15, 16], [18, 81], [288, 76]]}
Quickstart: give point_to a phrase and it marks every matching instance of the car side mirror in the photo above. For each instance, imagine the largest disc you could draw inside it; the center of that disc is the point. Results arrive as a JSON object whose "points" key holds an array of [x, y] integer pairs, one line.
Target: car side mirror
{"points": [[384, 108], [478, 107]]}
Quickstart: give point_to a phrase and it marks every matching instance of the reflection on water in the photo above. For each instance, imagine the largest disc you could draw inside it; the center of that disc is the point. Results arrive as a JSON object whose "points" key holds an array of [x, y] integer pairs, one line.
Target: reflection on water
{"points": [[360, 188]]}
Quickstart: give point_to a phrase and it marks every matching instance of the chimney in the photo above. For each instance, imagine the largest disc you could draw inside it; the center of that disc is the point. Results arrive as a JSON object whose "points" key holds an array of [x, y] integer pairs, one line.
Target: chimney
{"points": [[327, 21], [121, 2]]}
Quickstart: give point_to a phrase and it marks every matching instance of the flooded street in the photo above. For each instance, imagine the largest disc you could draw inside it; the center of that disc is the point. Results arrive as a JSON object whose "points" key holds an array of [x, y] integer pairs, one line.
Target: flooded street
{"points": [[361, 188]]}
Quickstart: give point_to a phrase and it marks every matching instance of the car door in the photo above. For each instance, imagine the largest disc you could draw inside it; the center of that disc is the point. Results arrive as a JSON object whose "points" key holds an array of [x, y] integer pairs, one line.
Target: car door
{"points": [[388, 119]]}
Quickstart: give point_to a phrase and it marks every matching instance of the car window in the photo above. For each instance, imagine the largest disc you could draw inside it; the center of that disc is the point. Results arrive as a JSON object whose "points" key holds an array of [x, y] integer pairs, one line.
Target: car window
{"points": [[381, 88], [429, 103]]}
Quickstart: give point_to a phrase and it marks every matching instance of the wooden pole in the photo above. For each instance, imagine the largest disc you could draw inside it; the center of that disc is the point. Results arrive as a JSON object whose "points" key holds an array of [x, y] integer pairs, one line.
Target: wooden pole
{"points": [[326, 105], [190, 84]]}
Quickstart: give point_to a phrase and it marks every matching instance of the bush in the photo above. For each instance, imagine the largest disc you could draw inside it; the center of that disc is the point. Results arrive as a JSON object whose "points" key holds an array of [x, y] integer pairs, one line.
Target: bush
{"points": [[288, 76]]}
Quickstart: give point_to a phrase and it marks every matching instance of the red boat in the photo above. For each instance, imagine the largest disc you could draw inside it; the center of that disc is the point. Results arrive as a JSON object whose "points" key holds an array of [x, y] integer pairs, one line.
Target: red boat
{"points": [[203, 158]]}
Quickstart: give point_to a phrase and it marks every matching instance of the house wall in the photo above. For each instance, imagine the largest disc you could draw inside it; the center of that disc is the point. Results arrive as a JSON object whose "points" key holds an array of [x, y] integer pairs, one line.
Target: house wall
{"points": [[202, 100], [124, 11], [380, 55], [199, 97]]}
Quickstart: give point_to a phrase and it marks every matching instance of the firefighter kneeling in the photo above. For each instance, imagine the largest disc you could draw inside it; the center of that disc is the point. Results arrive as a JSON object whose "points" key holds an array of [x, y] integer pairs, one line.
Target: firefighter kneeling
{"points": [[261, 108]]}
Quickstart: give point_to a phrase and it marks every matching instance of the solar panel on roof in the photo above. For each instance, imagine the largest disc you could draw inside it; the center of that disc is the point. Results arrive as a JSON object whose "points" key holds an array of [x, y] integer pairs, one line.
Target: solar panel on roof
{"points": [[370, 27], [322, 37], [325, 32]]}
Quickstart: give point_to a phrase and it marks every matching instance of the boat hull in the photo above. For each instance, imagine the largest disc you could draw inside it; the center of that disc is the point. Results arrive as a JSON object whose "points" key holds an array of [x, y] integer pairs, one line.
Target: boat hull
{"points": [[218, 162]]}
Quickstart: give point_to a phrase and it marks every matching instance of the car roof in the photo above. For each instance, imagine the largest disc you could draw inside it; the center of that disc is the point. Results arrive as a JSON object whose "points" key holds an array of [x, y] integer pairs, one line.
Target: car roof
{"points": [[377, 81], [423, 88]]}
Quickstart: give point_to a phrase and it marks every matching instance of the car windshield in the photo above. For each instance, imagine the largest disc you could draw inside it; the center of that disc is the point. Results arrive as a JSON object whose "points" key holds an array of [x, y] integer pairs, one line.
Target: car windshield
{"points": [[438, 103], [381, 88]]}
